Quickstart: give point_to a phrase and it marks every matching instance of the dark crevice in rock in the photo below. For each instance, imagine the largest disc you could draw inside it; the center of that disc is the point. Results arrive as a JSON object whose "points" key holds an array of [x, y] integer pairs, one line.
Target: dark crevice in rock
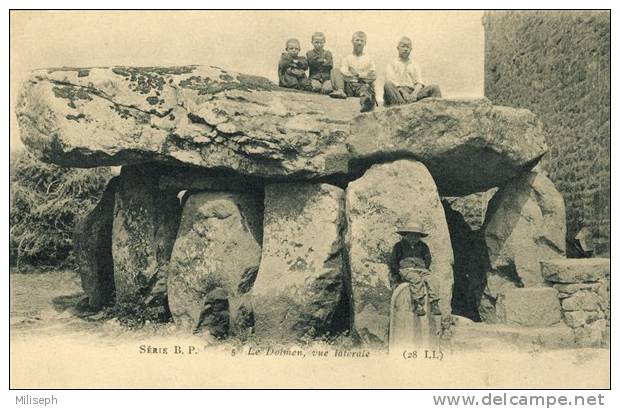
{"points": [[471, 263], [247, 280], [545, 241]]}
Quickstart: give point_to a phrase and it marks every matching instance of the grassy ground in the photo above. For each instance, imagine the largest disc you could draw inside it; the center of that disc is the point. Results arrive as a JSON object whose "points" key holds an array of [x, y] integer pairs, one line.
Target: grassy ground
{"points": [[53, 347]]}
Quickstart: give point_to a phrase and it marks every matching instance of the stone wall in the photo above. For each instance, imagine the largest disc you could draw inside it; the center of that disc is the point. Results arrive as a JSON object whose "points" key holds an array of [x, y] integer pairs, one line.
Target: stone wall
{"points": [[557, 64], [584, 292]]}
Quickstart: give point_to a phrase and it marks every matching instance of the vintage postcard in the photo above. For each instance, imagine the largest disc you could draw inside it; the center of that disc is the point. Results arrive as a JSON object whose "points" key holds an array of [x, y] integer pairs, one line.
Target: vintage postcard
{"points": [[310, 199]]}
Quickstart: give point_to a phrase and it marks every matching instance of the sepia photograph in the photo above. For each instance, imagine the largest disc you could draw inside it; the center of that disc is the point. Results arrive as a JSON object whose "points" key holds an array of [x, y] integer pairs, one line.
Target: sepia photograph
{"points": [[310, 199]]}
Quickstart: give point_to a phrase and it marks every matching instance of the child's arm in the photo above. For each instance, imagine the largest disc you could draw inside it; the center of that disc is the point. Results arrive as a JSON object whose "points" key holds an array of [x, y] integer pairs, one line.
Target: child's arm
{"points": [[347, 72], [313, 59], [329, 60], [285, 62], [302, 63], [371, 72]]}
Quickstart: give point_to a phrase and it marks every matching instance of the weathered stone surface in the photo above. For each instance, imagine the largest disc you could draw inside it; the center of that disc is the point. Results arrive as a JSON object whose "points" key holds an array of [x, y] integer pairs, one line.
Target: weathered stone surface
{"points": [[408, 329], [198, 179], [531, 307], [145, 225], [214, 261], [569, 289], [483, 337], [92, 241], [592, 335], [575, 319], [582, 301], [300, 284], [212, 118], [385, 198], [575, 270], [496, 285], [525, 223], [472, 208]]}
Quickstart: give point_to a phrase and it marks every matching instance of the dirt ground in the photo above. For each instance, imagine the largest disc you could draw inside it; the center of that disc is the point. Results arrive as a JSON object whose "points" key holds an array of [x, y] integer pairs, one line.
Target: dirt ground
{"points": [[52, 347]]}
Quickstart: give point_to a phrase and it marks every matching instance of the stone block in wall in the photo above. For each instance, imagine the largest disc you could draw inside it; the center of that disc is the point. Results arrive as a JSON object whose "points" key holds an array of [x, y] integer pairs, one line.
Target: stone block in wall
{"points": [[592, 335], [299, 291], [582, 301], [576, 319], [214, 262], [144, 228], [532, 307], [92, 241], [384, 199], [566, 290], [575, 270], [525, 223]]}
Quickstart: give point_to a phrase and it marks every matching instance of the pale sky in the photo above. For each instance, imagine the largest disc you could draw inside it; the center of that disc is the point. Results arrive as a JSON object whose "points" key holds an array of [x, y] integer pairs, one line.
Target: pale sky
{"points": [[448, 45]]}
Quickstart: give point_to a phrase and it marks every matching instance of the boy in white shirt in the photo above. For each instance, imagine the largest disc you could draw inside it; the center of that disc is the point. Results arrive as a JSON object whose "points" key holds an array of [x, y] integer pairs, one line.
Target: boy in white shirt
{"points": [[357, 75], [403, 82]]}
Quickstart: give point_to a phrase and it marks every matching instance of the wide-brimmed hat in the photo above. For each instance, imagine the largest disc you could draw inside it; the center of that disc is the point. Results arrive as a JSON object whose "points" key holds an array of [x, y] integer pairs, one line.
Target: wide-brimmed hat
{"points": [[413, 227]]}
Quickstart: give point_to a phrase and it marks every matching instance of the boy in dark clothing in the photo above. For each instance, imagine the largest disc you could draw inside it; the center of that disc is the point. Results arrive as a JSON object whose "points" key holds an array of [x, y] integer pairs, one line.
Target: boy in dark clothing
{"points": [[292, 67], [321, 63], [410, 262]]}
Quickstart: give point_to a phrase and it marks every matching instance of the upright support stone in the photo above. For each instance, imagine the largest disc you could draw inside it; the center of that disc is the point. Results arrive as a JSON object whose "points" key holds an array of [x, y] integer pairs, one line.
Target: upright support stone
{"points": [[145, 225], [299, 289], [92, 241], [385, 198], [525, 223], [214, 262]]}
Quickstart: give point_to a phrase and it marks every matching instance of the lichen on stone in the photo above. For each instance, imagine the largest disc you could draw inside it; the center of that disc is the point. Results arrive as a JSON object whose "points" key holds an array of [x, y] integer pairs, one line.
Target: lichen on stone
{"points": [[72, 94], [206, 85]]}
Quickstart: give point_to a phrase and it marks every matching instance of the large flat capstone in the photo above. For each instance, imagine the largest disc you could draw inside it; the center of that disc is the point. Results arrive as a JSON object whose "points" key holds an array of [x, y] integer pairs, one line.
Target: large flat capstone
{"points": [[216, 119]]}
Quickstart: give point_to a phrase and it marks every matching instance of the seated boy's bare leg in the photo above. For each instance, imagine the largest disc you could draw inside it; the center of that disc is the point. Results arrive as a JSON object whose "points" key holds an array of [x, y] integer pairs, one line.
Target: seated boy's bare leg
{"points": [[304, 84], [338, 84], [327, 87], [316, 85]]}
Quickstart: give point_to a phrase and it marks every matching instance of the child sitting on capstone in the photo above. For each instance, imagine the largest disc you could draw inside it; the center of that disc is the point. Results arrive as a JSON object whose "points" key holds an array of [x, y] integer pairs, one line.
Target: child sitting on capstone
{"points": [[403, 81], [321, 63], [357, 75], [410, 262], [292, 67]]}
